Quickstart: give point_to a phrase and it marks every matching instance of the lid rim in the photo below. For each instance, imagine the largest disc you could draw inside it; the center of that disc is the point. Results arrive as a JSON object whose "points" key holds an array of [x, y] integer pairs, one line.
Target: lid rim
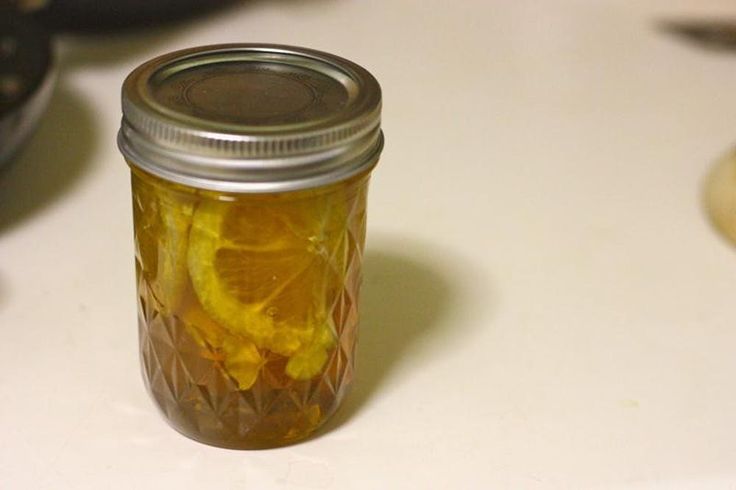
{"points": [[365, 163], [211, 154]]}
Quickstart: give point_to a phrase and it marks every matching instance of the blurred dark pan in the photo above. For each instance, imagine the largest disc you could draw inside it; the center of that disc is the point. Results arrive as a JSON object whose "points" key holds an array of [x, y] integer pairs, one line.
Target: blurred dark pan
{"points": [[96, 15], [26, 74], [26, 80]]}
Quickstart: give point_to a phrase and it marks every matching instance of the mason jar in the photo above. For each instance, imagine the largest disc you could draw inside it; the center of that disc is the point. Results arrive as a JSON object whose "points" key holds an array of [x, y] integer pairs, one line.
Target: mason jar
{"points": [[250, 168]]}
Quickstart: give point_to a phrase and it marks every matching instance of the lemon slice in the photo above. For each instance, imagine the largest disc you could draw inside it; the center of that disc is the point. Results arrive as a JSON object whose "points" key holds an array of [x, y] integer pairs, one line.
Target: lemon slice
{"points": [[162, 235], [238, 357], [176, 218], [265, 271], [309, 361], [242, 361], [204, 330]]}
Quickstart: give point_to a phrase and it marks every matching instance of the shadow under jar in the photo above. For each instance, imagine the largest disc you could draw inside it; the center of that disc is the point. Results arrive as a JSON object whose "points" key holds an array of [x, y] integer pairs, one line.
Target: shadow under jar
{"points": [[250, 168]]}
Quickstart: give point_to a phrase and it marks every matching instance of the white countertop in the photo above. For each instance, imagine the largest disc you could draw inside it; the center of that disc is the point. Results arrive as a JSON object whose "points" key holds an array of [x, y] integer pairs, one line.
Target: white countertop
{"points": [[546, 305]]}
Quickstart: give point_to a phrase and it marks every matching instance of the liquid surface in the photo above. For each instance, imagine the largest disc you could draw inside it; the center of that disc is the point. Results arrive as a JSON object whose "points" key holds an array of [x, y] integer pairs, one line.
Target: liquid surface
{"points": [[248, 307]]}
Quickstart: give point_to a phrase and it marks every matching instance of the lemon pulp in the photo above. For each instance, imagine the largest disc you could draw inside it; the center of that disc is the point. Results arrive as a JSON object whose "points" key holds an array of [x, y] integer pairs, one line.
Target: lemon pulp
{"points": [[267, 271]]}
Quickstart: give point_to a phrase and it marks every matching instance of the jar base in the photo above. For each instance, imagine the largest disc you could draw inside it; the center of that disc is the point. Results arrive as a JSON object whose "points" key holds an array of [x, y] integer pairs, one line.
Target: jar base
{"points": [[293, 429], [249, 444], [200, 400]]}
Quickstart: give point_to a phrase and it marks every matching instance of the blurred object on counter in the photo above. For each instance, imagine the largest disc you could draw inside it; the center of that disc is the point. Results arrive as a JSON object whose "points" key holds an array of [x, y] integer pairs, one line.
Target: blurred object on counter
{"points": [[96, 15], [26, 75], [26, 79], [710, 34], [720, 196], [720, 185]]}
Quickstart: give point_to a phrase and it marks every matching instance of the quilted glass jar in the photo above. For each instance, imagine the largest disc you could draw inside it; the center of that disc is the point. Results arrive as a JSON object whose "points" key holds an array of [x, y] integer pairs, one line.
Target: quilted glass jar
{"points": [[250, 167]]}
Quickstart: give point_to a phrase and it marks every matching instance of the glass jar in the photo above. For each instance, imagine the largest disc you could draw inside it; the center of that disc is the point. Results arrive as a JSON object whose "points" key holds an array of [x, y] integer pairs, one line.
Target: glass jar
{"points": [[250, 168]]}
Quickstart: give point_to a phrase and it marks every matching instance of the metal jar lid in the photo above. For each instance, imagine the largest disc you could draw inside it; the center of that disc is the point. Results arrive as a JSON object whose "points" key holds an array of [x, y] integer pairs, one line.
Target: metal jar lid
{"points": [[251, 118]]}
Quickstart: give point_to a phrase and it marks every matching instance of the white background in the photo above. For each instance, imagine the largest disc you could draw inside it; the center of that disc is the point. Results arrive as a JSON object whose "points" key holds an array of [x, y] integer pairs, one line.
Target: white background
{"points": [[546, 305]]}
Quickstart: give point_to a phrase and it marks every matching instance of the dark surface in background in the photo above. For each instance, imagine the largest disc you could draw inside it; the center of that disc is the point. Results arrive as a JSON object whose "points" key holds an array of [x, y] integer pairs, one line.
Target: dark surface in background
{"points": [[25, 56], [25, 65], [714, 34], [25, 51], [60, 153], [99, 15], [55, 160]]}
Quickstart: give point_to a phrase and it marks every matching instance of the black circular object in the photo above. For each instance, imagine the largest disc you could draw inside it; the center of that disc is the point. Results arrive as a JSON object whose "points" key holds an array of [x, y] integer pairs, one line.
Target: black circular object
{"points": [[26, 75], [26, 79]]}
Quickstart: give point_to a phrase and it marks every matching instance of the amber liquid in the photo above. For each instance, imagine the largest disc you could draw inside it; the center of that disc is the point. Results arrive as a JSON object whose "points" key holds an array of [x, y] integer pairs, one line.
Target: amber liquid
{"points": [[248, 306]]}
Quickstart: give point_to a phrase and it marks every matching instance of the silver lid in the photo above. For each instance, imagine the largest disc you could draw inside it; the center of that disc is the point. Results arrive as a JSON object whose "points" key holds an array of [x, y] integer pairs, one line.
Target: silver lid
{"points": [[251, 118]]}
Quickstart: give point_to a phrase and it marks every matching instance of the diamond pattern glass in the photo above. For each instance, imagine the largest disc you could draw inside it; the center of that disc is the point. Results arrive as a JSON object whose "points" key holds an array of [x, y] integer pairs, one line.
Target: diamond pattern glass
{"points": [[274, 370]]}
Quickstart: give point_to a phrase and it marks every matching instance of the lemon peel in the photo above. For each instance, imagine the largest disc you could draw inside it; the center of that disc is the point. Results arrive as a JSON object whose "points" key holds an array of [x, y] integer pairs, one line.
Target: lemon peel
{"points": [[242, 361]]}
